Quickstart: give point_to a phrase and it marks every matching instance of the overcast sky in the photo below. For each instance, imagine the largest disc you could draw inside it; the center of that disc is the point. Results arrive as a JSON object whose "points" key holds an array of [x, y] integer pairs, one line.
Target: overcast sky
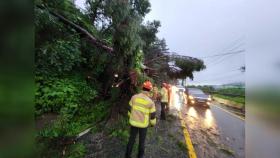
{"points": [[202, 28]]}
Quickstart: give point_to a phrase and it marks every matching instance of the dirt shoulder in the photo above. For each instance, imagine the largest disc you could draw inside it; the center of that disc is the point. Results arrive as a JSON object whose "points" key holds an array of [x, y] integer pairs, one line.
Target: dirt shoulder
{"points": [[165, 140]]}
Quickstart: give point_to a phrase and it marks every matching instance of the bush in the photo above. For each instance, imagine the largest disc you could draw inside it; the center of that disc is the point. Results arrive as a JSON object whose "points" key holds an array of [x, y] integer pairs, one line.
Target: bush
{"points": [[76, 151], [67, 126], [63, 128], [235, 91], [58, 56], [73, 99], [62, 95]]}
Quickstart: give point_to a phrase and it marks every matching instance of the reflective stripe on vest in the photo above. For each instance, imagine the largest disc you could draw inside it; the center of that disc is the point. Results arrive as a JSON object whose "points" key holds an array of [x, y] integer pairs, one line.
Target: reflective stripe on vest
{"points": [[142, 109], [139, 104], [141, 101], [140, 124]]}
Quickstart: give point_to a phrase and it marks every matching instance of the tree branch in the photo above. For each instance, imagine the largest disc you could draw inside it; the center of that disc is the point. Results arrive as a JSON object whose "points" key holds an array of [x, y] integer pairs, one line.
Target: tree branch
{"points": [[79, 29]]}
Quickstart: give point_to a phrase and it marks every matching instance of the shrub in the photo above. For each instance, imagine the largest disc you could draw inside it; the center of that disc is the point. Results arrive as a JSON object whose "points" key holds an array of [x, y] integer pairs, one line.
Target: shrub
{"points": [[62, 95], [77, 150]]}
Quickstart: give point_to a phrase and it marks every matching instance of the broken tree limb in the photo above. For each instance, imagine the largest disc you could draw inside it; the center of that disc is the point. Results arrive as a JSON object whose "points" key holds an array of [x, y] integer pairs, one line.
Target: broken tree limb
{"points": [[156, 58], [79, 29]]}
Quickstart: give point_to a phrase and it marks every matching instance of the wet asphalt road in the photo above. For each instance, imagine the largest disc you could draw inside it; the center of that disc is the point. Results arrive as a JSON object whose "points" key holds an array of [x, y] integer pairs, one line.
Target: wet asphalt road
{"points": [[232, 130], [214, 132]]}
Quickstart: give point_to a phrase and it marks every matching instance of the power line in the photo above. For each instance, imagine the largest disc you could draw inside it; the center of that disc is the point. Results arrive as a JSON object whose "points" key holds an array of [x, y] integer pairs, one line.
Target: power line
{"points": [[219, 61], [233, 46], [223, 54]]}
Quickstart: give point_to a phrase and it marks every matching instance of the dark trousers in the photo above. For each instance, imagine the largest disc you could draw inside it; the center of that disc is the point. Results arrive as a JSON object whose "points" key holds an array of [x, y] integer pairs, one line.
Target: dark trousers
{"points": [[142, 136], [163, 109]]}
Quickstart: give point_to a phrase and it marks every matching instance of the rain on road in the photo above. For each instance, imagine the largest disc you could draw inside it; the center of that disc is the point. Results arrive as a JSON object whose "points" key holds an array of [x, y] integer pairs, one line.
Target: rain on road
{"points": [[215, 133]]}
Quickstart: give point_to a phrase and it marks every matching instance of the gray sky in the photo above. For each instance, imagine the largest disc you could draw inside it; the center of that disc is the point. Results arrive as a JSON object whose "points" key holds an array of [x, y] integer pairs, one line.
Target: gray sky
{"points": [[202, 28]]}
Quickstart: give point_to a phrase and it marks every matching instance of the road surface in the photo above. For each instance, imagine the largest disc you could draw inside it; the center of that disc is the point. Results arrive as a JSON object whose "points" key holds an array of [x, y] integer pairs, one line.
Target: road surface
{"points": [[215, 133]]}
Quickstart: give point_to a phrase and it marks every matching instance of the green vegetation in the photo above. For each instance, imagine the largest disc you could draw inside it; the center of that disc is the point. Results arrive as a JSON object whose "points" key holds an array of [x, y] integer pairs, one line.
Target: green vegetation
{"points": [[120, 129], [234, 91], [76, 151], [65, 94], [187, 67], [237, 91], [182, 145], [240, 100], [233, 94]]}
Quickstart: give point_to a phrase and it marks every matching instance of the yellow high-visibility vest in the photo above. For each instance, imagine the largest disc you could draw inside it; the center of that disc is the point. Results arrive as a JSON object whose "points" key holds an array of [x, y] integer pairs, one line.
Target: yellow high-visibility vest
{"points": [[141, 108], [164, 95]]}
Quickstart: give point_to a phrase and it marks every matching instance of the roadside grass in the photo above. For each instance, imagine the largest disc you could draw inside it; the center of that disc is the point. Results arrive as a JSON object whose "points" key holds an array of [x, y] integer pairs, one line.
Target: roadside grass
{"points": [[76, 151], [240, 100], [182, 145], [120, 130], [159, 139]]}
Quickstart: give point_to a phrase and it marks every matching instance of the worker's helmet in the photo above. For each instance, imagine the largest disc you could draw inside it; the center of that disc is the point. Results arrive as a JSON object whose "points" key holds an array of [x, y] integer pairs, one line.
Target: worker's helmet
{"points": [[148, 85]]}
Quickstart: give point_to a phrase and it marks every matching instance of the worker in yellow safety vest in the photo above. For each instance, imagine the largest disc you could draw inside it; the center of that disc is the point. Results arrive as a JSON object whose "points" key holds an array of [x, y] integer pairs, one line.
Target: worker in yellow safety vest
{"points": [[142, 113], [164, 101], [155, 94]]}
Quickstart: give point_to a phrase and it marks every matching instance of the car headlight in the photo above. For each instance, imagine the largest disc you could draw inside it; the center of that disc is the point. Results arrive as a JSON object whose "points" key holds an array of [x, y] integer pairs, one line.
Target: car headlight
{"points": [[209, 99], [191, 97]]}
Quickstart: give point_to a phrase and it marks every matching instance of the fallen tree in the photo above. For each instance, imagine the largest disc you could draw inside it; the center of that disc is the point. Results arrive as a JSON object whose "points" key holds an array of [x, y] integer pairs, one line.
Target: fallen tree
{"points": [[78, 28]]}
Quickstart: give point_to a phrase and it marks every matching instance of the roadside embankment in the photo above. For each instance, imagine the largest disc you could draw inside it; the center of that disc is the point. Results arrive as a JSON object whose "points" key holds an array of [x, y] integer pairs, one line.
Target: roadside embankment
{"points": [[228, 102], [231, 106], [165, 140]]}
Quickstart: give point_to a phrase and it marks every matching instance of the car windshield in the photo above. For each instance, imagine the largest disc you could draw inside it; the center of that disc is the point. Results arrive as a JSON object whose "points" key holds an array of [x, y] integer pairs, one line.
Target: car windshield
{"points": [[195, 91]]}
